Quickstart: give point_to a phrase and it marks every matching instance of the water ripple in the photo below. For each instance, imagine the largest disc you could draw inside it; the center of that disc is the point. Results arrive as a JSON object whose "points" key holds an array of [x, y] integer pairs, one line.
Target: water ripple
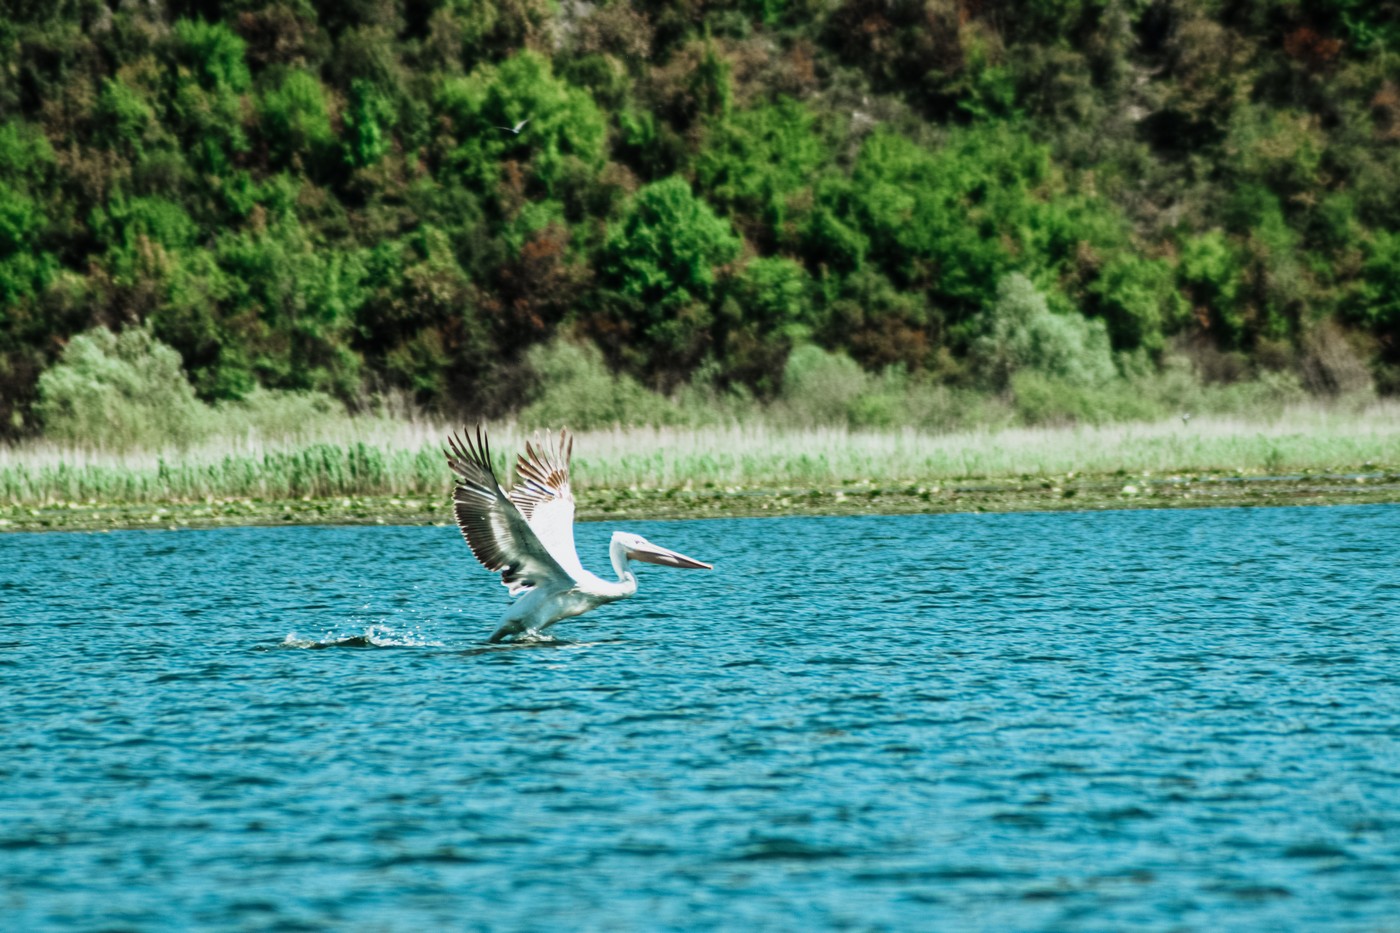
{"points": [[1145, 720]]}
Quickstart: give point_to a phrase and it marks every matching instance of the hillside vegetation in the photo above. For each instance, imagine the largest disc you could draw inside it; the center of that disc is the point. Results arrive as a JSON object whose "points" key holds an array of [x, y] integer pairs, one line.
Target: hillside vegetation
{"points": [[876, 212]]}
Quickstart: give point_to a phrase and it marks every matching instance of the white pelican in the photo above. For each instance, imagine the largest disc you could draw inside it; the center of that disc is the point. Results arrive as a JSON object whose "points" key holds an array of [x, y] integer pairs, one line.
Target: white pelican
{"points": [[527, 535]]}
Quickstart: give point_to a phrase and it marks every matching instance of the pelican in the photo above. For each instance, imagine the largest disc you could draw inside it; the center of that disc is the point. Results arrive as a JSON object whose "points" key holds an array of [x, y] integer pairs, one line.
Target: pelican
{"points": [[527, 535]]}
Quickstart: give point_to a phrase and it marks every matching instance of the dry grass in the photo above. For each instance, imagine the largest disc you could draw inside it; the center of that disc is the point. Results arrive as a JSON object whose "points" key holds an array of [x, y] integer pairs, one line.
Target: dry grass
{"points": [[341, 457], [1311, 438]]}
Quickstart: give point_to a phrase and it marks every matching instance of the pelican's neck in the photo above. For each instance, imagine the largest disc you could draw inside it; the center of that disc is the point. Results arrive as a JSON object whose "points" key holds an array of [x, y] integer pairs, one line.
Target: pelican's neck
{"points": [[625, 578]]}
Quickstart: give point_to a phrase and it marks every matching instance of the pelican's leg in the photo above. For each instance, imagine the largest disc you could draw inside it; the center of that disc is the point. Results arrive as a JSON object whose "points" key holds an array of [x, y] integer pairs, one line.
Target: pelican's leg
{"points": [[509, 627]]}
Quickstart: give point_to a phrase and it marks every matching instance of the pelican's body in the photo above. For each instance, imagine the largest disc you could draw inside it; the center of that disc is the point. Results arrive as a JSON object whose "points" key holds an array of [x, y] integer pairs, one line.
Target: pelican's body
{"points": [[527, 536]]}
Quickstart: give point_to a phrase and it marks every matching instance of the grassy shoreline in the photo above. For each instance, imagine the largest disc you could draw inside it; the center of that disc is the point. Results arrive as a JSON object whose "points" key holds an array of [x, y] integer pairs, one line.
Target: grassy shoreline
{"points": [[1025, 494], [393, 472]]}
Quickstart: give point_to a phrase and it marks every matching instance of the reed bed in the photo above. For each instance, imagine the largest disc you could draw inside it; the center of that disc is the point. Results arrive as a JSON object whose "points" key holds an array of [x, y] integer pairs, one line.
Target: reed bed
{"points": [[385, 457], [1305, 440]]}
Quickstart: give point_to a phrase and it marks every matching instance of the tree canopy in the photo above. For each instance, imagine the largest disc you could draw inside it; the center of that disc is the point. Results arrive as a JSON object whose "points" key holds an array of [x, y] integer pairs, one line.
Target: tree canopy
{"points": [[346, 197]]}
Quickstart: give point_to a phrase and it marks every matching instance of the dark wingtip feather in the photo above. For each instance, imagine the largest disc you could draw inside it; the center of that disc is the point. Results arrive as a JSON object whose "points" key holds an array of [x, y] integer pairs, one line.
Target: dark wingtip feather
{"points": [[476, 498], [470, 458]]}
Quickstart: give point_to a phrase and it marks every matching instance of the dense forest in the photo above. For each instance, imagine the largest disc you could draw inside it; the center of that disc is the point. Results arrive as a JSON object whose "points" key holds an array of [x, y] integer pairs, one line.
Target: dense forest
{"points": [[364, 196]]}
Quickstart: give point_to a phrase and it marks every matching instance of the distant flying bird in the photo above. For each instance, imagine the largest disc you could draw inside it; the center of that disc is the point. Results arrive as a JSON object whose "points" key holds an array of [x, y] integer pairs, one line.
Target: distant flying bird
{"points": [[517, 128], [527, 535]]}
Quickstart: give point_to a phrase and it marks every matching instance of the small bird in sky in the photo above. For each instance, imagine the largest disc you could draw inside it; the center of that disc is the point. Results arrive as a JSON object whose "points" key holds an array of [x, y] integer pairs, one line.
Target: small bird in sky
{"points": [[517, 128]]}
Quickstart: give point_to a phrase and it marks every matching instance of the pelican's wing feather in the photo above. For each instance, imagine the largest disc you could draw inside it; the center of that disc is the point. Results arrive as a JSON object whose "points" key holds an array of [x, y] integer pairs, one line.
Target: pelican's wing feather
{"points": [[543, 495], [493, 526], [543, 474]]}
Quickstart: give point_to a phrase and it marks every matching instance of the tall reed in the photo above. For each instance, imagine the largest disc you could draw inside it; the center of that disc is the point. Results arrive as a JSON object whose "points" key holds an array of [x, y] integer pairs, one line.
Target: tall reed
{"points": [[385, 457]]}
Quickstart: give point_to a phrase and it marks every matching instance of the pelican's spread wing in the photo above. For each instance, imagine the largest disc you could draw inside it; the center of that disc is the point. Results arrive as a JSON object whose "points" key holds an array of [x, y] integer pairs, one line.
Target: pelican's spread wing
{"points": [[543, 495], [496, 531]]}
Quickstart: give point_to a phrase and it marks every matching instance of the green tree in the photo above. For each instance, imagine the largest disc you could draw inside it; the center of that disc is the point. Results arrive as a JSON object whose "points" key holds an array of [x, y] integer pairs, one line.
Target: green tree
{"points": [[759, 166], [293, 307], [145, 238], [126, 121], [1138, 301], [1211, 275], [1379, 289], [208, 78], [296, 121], [370, 118], [664, 252], [767, 309], [488, 29], [421, 328], [560, 129], [950, 221], [24, 268], [658, 265], [879, 325], [26, 165]]}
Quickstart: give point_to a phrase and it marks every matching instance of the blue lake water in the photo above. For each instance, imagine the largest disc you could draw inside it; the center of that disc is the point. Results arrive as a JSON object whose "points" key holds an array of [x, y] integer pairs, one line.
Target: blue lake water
{"points": [[1155, 720]]}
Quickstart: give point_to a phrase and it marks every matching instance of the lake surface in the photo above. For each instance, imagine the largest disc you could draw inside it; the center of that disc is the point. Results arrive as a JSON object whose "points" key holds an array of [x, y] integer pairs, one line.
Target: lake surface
{"points": [[1184, 720]]}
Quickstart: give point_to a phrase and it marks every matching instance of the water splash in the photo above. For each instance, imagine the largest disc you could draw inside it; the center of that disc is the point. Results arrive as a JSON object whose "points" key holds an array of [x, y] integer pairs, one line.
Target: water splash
{"points": [[376, 635]]}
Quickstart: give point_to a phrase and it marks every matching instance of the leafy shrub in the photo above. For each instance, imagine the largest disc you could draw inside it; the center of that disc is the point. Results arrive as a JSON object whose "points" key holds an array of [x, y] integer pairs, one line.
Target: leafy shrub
{"points": [[1366, 24], [1040, 398], [766, 307], [984, 88], [488, 27], [119, 391], [1280, 148], [146, 239], [577, 390], [820, 387], [830, 239], [1207, 61], [26, 268], [128, 390], [1018, 332], [189, 319], [273, 415], [213, 55], [26, 157], [824, 388], [122, 220]]}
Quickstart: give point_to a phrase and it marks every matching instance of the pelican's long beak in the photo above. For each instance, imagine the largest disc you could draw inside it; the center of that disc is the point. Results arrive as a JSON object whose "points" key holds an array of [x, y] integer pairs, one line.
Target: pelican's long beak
{"points": [[656, 554]]}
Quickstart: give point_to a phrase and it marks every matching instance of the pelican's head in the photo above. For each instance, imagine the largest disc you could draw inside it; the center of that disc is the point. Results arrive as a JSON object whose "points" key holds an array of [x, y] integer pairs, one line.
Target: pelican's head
{"points": [[635, 547]]}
